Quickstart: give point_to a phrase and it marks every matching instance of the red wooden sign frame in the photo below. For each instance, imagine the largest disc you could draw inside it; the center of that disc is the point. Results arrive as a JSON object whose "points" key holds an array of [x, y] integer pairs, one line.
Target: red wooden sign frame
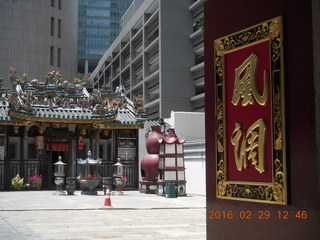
{"points": [[249, 82]]}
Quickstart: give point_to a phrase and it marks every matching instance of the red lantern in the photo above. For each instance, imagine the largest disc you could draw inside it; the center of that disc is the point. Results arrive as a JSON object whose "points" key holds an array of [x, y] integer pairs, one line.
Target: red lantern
{"points": [[39, 142], [80, 143]]}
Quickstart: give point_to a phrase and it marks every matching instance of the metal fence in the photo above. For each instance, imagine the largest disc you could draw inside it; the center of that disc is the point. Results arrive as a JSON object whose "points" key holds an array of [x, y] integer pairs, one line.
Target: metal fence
{"points": [[1, 175], [29, 169], [105, 170], [130, 171]]}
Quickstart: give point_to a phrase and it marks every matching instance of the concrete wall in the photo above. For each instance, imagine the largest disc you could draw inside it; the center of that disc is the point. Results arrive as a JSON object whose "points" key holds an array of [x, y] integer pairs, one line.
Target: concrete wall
{"points": [[188, 125], [176, 57], [26, 39], [195, 163]]}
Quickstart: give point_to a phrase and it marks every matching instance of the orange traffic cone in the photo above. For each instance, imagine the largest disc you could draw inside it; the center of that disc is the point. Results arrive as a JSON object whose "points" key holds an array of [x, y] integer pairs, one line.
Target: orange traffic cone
{"points": [[107, 200]]}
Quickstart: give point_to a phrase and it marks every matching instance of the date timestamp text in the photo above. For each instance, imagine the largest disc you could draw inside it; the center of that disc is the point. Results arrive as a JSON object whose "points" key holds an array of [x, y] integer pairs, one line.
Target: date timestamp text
{"points": [[258, 214]]}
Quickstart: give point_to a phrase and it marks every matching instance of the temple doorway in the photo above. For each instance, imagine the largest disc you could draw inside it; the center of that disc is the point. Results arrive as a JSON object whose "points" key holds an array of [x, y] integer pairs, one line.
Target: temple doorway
{"points": [[55, 158]]}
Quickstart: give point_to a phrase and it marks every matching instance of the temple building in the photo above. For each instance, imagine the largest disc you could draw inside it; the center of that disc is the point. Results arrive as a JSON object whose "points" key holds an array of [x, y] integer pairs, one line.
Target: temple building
{"points": [[40, 121]]}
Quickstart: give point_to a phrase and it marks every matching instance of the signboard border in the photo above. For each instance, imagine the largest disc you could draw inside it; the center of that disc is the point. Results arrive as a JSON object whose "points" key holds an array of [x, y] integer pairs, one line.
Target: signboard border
{"points": [[276, 191]]}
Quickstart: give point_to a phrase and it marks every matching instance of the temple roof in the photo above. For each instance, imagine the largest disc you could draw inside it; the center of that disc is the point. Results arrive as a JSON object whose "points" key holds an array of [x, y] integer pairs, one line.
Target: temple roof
{"points": [[56, 100]]}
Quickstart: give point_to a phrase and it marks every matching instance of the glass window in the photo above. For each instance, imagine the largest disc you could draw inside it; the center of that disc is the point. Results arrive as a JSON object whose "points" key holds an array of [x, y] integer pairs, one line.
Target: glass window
{"points": [[52, 55], [100, 13], [52, 26], [60, 4], [59, 57], [53, 3], [59, 28]]}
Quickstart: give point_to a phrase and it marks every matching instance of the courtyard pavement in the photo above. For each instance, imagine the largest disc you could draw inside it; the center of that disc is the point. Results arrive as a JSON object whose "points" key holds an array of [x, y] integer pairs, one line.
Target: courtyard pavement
{"points": [[33, 215]]}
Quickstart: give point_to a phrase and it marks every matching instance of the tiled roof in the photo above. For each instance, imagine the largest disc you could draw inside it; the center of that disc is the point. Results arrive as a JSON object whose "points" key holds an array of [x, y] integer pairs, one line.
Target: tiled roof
{"points": [[123, 116], [60, 113], [60, 101]]}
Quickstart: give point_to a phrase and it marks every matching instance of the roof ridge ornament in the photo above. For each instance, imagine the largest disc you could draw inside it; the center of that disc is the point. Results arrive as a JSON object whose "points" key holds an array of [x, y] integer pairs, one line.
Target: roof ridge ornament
{"points": [[55, 92]]}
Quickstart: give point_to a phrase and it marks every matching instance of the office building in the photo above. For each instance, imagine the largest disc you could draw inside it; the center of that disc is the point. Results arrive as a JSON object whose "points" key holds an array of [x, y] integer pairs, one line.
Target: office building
{"points": [[37, 36], [158, 55], [99, 24]]}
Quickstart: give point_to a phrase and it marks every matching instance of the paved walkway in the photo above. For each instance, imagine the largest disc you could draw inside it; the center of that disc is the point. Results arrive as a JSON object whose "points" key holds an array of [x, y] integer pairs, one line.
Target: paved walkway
{"points": [[33, 215]]}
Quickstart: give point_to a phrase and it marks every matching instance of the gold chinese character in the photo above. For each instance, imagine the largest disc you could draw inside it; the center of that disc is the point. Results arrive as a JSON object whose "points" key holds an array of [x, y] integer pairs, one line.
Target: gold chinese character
{"points": [[252, 145], [245, 83]]}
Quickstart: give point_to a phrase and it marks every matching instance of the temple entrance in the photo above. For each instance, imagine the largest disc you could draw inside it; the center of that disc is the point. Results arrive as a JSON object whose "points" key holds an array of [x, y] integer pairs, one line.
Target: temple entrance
{"points": [[55, 158], [53, 151]]}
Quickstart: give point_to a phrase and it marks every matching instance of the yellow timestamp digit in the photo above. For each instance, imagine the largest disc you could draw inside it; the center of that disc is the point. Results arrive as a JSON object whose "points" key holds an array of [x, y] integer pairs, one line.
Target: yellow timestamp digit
{"points": [[228, 214], [302, 215], [283, 215], [245, 214], [220, 215], [264, 215]]}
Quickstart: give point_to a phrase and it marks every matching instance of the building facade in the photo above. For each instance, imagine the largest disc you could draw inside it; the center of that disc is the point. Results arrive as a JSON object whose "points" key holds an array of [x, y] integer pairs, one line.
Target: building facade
{"points": [[99, 24], [158, 55], [42, 120], [37, 36]]}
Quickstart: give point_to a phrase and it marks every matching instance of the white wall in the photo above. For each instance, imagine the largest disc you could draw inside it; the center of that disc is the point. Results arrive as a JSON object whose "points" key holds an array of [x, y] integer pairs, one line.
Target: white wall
{"points": [[195, 164], [196, 176], [188, 125]]}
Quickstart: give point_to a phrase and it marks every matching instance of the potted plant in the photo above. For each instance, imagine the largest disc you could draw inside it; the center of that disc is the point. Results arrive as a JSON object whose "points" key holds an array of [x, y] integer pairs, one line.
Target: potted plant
{"points": [[120, 183], [36, 181], [17, 183]]}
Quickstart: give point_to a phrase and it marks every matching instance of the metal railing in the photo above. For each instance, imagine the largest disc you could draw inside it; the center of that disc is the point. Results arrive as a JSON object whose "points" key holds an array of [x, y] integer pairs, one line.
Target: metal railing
{"points": [[29, 168], [1, 175], [130, 171], [105, 170], [130, 12]]}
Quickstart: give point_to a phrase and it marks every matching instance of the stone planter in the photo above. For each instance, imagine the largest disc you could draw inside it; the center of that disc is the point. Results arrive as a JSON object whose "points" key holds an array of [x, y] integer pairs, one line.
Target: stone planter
{"points": [[71, 185], [89, 186]]}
